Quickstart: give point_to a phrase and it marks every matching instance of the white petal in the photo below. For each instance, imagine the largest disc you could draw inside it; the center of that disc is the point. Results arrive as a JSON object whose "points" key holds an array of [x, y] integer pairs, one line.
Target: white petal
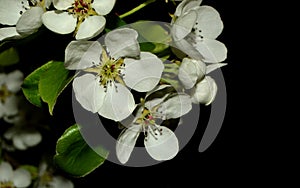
{"points": [[6, 172], [183, 48], [14, 81], [59, 181], [153, 103], [205, 91], [103, 7], [164, 147], [176, 107], [126, 142], [22, 178], [18, 142], [88, 92], [118, 103], [9, 33], [47, 3], [143, 74], [30, 21], [214, 66], [31, 138], [90, 27], [183, 26], [62, 4], [11, 11], [191, 5], [185, 6], [11, 105], [10, 133], [209, 22], [122, 43], [59, 22], [212, 51], [190, 71], [80, 55]]}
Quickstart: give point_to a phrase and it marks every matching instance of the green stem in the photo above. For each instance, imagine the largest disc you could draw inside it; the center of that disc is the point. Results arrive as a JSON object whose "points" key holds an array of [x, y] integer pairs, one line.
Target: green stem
{"points": [[136, 8]]}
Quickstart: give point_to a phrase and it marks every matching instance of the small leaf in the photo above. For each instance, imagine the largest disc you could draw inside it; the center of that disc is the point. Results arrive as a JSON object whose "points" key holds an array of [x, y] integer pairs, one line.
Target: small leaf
{"points": [[9, 57], [30, 86], [152, 32], [52, 82], [74, 156]]}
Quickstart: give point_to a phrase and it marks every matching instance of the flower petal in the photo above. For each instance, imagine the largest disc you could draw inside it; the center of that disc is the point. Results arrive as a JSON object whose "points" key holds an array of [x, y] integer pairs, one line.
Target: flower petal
{"points": [[90, 27], [118, 103], [18, 142], [126, 142], [14, 81], [183, 26], [11, 11], [212, 51], [80, 55], [47, 3], [122, 43], [30, 21], [22, 178], [31, 137], [103, 7], [205, 91], [62, 4], [59, 181], [183, 48], [88, 92], [59, 22], [11, 105], [214, 66], [209, 22], [163, 146], [190, 71], [176, 107], [185, 6], [9, 33], [143, 74], [6, 172]]}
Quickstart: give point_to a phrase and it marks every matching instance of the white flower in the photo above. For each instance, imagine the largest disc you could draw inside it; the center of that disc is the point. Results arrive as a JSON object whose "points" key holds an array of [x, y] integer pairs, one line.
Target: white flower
{"points": [[48, 180], [23, 137], [13, 178], [56, 182], [194, 30], [192, 74], [10, 84], [22, 19], [121, 65], [160, 142], [85, 17]]}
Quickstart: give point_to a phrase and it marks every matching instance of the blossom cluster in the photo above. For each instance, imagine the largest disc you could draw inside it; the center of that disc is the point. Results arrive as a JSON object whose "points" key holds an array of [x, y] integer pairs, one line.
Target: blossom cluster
{"points": [[116, 77]]}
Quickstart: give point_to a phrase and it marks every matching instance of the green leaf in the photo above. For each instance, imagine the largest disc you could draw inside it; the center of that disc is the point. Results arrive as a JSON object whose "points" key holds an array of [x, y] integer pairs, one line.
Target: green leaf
{"points": [[154, 33], [30, 86], [52, 82], [74, 156], [46, 83], [9, 57]]}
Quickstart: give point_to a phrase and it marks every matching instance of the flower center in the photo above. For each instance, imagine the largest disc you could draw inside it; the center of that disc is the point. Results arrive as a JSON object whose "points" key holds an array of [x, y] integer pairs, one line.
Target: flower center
{"points": [[7, 184], [82, 9], [147, 120], [109, 70], [4, 93]]}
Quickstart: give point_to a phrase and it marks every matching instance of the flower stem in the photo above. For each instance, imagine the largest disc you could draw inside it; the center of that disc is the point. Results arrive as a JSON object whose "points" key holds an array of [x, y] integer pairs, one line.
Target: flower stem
{"points": [[136, 8]]}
